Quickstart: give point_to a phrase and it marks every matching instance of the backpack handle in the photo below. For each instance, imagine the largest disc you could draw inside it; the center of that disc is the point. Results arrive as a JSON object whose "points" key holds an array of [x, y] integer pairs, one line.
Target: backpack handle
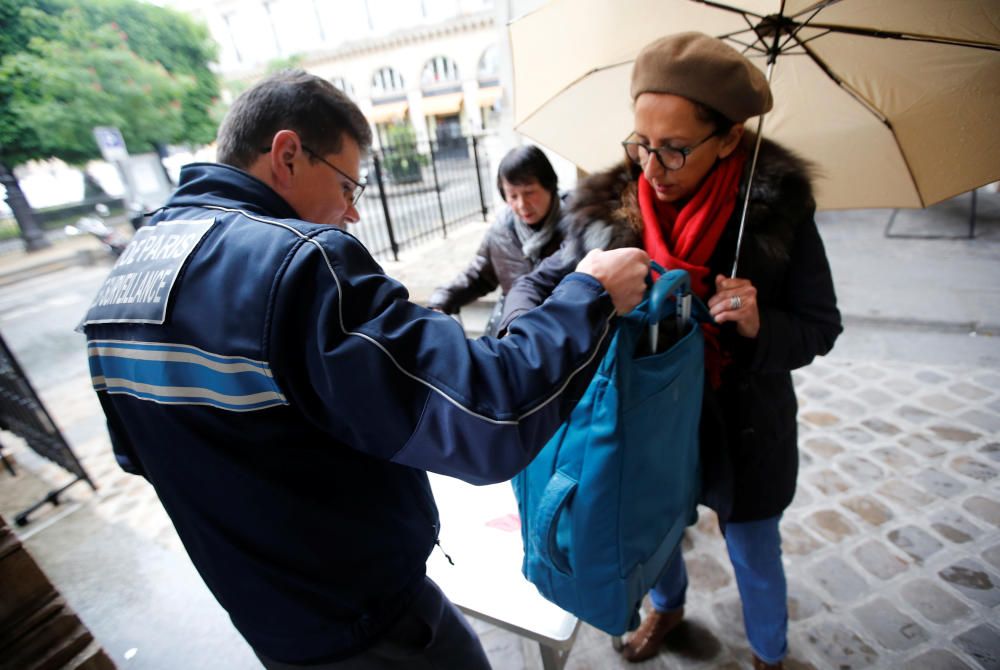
{"points": [[551, 505], [664, 290]]}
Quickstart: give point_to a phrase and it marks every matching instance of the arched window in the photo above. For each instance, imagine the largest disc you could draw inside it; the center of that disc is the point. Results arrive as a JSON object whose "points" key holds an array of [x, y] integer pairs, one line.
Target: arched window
{"points": [[343, 85], [387, 82], [490, 93], [489, 67], [439, 72]]}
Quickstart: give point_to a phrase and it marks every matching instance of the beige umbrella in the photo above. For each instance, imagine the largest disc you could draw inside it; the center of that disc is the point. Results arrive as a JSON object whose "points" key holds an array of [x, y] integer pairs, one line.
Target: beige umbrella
{"points": [[897, 102]]}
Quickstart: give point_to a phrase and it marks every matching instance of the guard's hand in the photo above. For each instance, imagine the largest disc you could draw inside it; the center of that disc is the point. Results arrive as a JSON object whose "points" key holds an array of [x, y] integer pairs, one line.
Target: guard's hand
{"points": [[622, 273], [736, 300]]}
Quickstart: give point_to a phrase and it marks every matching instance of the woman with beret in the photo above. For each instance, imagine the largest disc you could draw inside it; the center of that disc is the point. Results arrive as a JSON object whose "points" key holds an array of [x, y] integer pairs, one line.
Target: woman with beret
{"points": [[524, 233], [679, 196]]}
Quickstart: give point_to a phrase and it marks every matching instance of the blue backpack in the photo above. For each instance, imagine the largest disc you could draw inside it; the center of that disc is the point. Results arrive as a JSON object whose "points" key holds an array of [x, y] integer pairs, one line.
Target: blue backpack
{"points": [[604, 504]]}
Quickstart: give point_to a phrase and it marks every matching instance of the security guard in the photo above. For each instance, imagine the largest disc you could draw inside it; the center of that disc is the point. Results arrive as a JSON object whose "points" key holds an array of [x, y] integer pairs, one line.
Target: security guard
{"points": [[285, 398]]}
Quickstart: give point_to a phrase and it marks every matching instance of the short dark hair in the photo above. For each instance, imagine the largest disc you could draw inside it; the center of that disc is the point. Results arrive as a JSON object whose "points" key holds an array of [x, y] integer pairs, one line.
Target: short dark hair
{"points": [[721, 122], [526, 164], [290, 100]]}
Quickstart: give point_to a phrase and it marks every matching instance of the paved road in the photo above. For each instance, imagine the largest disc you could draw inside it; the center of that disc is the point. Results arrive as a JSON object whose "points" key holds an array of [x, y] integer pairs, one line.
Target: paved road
{"points": [[37, 318]]}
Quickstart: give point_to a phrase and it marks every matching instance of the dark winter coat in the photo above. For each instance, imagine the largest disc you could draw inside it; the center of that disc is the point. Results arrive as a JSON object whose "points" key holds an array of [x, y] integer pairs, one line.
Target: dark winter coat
{"points": [[749, 429]]}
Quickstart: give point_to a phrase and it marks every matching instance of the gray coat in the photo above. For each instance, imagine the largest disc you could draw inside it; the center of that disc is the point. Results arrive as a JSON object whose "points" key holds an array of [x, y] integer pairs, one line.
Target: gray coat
{"points": [[499, 261]]}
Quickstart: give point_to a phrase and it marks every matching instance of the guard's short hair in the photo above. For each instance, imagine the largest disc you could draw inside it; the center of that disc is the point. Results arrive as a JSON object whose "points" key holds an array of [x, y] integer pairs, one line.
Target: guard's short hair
{"points": [[525, 164], [289, 100]]}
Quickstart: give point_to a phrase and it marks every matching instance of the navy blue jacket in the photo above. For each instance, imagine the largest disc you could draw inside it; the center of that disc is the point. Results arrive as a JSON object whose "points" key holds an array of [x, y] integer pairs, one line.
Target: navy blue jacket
{"points": [[284, 398]]}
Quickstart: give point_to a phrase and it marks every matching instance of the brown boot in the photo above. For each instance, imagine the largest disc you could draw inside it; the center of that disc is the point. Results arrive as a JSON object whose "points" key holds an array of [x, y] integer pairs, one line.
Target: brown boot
{"points": [[761, 665], [645, 642]]}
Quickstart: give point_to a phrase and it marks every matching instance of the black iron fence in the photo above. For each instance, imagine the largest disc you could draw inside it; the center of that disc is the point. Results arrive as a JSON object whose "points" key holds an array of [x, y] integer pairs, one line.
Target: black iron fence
{"points": [[416, 191], [22, 413]]}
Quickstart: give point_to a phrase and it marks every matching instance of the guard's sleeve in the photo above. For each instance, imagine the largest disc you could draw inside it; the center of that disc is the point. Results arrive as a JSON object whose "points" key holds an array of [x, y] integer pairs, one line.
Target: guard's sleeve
{"points": [[805, 322], [387, 377]]}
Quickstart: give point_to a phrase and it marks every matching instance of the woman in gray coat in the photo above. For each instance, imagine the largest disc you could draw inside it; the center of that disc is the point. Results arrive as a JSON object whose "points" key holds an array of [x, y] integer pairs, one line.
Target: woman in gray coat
{"points": [[525, 232]]}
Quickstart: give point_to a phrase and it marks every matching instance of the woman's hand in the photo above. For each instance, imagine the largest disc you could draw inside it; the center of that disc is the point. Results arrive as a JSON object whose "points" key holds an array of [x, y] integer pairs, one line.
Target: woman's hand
{"points": [[736, 300]]}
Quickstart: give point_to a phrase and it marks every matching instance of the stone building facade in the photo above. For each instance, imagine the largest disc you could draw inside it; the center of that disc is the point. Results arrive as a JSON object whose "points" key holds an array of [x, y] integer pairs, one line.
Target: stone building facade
{"points": [[431, 64]]}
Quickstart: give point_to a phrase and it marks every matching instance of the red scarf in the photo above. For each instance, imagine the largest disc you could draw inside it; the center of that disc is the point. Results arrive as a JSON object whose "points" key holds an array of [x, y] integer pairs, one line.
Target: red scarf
{"points": [[686, 239]]}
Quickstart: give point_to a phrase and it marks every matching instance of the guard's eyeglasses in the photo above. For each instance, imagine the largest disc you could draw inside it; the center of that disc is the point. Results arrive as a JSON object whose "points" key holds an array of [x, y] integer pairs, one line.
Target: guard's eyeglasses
{"points": [[357, 186]]}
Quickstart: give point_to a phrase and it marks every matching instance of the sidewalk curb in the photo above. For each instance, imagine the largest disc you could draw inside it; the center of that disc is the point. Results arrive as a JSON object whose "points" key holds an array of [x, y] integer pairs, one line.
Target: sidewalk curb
{"points": [[80, 257], [900, 323]]}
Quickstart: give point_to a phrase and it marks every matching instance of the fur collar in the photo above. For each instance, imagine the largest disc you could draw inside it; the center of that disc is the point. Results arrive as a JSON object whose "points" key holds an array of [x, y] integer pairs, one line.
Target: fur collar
{"points": [[604, 210]]}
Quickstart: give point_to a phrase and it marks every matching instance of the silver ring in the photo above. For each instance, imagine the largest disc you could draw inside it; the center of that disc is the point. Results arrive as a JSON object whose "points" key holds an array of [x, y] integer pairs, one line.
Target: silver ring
{"points": [[735, 302]]}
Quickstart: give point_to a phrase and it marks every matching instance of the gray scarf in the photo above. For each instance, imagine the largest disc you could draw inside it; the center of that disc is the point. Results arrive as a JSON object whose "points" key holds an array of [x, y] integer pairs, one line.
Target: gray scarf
{"points": [[535, 238]]}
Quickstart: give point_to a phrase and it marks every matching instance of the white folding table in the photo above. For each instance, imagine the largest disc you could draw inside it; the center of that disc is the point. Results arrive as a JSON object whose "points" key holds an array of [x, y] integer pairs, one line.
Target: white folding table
{"points": [[480, 531]]}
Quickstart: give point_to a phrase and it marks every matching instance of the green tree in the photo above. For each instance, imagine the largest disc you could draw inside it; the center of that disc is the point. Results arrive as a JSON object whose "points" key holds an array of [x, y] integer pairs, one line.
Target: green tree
{"points": [[174, 40], [84, 77], [287, 63], [18, 141], [400, 155], [68, 65], [18, 30]]}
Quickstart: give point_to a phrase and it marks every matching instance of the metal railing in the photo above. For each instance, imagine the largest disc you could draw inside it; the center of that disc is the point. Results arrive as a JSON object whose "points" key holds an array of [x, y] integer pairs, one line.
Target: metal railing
{"points": [[416, 192], [22, 413]]}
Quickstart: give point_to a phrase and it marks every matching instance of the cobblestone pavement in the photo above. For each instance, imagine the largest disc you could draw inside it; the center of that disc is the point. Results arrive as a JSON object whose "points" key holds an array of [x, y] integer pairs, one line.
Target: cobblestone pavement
{"points": [[891, 546]]}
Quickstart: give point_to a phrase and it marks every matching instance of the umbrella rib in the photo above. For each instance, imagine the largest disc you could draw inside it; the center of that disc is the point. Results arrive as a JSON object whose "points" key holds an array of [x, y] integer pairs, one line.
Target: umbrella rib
{"points": [[727, 8], [759, 45], [751, 47], [757, 38], [566, 88], [821, 64], [814, 37], [746, 47], [911, 37], [818, 7], [794, 34], [871, 108]]}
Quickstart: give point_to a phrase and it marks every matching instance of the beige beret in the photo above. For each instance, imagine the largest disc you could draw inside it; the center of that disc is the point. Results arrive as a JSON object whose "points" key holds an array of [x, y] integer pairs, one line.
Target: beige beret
{"points": [[704, 69]]}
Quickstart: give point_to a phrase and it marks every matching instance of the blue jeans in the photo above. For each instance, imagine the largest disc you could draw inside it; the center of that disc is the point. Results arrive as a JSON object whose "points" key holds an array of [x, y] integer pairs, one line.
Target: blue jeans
{"points": [[755, 552]]}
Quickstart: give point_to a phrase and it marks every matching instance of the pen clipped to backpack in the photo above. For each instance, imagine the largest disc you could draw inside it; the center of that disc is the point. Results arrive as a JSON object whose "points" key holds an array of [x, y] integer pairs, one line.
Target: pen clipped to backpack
{"points": [[668, 306]]}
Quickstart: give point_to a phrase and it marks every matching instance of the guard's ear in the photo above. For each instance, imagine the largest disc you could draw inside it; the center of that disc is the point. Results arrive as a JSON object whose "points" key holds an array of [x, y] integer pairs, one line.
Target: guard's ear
{"points": [[285, 150], [731, 140]]}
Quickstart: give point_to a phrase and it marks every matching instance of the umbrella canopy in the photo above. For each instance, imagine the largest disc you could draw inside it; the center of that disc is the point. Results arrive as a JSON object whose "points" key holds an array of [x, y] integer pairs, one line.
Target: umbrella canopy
{"points": [[897, 102]]}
